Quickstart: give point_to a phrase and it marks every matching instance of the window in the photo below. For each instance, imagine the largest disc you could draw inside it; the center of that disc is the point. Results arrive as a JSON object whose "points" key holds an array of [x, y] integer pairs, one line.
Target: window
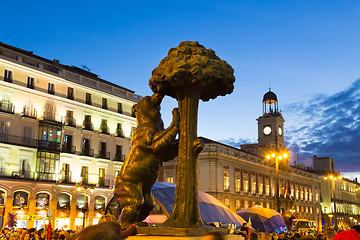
{"points": [[8, 76], [246, 204], [132, 131], [80, 201], [316, 196], [133, 113], [237, 204], [63, 201], [261, 186], [102, 176], [267, 187], [30, 82], [51, 88], [170, 179], [297, 192], [246, 184], [102, 152], [306, 194], [69, 118], [237, 182], [119, 130], [27, 135], [253, 185], [120, 108], [226, 181], [87, 124], [104, 103], [292, 191], [42, 200], [84, 174], [99, 203], [67, 144], [70, 94], [2, 198], [20, 199], [88, 99], [65, 172], [104, 127], [311, 210], [118, 153], [227, 202], [86, 147], [301, 192]]}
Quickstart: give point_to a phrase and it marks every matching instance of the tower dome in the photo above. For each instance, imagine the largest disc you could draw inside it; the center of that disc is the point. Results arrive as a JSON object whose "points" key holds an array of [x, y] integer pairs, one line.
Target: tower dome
{"points": [[270, 102], [270, 97]]}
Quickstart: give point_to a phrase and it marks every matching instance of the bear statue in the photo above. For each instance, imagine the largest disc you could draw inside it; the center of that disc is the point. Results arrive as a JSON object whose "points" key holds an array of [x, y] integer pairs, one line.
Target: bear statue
{"points": [[151, 145]]}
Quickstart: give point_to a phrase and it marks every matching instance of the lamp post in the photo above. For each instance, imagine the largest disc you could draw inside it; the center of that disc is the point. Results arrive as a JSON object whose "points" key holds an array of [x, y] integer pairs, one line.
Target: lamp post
{"points": [[85, 187], [277, 156], [333, 177]]}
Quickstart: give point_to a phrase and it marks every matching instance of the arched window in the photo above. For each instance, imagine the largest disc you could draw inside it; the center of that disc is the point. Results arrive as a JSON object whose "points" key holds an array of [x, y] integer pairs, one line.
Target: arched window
{"points": [[63, 201], [2, 198], [80, 202], [42, 200], [99, 203], [20, 199]]}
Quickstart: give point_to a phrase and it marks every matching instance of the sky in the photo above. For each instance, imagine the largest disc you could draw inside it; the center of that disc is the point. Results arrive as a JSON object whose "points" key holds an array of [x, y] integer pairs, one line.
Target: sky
{"points": [[308, 52]]}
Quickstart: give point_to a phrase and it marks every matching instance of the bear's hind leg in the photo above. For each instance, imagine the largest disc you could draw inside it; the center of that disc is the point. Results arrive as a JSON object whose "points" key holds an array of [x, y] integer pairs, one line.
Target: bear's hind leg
{"points": [[130, 199], [148, 204]]}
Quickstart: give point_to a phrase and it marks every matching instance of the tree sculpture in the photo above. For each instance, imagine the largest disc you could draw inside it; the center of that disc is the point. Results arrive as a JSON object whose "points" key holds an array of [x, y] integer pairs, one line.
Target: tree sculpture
{"points": [[190, 72]]}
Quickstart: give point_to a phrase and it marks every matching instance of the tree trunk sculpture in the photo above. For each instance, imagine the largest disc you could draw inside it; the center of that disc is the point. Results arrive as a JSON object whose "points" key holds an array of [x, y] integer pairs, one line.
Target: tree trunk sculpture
{"points": [[190, 72]]}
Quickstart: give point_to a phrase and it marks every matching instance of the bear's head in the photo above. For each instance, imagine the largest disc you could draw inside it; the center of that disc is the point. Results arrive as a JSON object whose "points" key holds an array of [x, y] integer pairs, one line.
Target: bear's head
{"points": [[148, 110]]}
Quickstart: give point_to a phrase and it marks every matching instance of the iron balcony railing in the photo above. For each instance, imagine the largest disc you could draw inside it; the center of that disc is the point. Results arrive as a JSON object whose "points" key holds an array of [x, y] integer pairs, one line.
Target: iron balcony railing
{"points": [[119, 133], [103, 182], [68, 149], [48, 145], [70, 121], [88, 126], [87, 152], [103, 154], [29, 112], [118, 157], [104, 129], [51, 117], [7, 107], [16, 140]]}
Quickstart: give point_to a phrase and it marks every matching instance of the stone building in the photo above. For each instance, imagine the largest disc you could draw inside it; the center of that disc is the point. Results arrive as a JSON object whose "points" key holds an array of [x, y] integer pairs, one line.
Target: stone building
{"points": [[244, 177], [347, 194], [60, 126]]}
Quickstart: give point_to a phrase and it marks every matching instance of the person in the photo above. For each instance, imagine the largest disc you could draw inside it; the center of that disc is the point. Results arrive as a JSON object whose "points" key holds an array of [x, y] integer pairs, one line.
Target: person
{"points": [[329, 234], [245, 228], [253, 236], [352, 234], [213, 236]]}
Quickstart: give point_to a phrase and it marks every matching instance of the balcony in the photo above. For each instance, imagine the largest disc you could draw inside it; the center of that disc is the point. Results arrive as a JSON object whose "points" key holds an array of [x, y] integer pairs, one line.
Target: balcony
{"points": [[104, 129], [16, 140], [32, 86], [7, 107], [88, 126], [103, 154], [104, 183], [68, 149], [29, 112], [45, 176], [51, 117], [8, 79], [48, 145], [87, 152], [118, 157], [70, 121], [119, 133]]}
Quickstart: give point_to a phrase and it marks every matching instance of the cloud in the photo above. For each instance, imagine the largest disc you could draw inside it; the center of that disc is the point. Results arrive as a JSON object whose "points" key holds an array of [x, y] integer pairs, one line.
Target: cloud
{"points": [[327, 126], [237, 142]]}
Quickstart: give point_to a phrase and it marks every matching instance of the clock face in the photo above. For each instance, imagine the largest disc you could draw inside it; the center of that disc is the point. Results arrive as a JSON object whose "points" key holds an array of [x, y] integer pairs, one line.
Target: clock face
{"points": [[267, 130], [280, 131]]}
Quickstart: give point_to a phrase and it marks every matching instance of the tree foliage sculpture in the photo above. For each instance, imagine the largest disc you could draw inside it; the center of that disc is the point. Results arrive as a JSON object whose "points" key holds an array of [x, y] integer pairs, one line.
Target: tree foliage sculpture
{"points": [[190, 72]]}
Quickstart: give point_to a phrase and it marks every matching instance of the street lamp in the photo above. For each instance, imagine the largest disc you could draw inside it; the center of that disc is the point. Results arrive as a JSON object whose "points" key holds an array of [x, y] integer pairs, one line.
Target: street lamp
{"points": [[333, 177], [85, 187], [277, 156]]}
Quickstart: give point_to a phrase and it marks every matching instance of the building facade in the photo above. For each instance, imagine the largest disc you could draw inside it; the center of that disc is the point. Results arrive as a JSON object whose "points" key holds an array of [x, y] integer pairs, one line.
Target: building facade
{"points": [[334, 188], [244, 177], [60, 126]]}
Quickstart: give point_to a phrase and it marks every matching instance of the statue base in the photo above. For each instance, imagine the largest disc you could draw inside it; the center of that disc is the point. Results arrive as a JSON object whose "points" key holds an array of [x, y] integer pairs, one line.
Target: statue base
{"points": [[177, 232], [145, 237]]}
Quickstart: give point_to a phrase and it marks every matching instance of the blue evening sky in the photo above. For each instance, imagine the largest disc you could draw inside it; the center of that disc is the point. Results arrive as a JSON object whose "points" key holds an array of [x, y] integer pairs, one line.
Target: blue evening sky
{"points": [[308, 51]]}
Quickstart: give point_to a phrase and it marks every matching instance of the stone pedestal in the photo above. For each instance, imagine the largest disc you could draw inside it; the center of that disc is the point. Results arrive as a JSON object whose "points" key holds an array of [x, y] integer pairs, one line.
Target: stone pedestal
{"points": [[178, 232], [144, 237]]}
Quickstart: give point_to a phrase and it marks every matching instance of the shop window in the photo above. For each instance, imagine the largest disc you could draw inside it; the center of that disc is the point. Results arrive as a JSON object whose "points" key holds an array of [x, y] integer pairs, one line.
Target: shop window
{"points": [[20, 199], [99, 204], [80, 202], [42, 200], [63, 201]]}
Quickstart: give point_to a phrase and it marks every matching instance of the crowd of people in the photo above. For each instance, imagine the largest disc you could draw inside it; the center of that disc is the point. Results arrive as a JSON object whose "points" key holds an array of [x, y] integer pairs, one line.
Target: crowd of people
{"points": [[109, 229]]}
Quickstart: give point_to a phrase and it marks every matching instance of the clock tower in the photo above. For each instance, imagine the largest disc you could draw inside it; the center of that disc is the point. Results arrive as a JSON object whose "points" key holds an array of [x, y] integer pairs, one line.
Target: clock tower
{"points": [[270, 124]]}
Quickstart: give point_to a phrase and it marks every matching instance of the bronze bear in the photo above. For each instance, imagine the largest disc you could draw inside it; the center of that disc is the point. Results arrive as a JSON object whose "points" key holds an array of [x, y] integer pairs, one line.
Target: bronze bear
{"points": [[151, 145]]}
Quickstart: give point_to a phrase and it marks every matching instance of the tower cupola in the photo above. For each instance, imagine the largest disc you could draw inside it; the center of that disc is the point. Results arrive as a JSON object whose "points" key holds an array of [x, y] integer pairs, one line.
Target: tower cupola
{"points": [[270, 103]]}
